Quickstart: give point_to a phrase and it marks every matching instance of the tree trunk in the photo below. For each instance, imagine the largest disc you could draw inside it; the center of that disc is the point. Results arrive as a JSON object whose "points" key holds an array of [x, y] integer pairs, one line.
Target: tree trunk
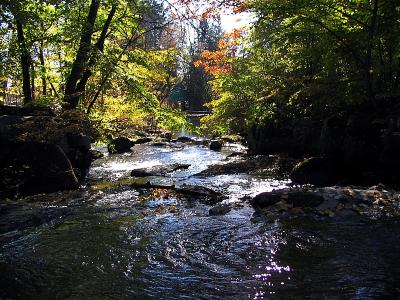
{"points": [[33, 80], [25, 63], [80, 88], [369, 72], [42, 65], [70, 95], [43, 70]]}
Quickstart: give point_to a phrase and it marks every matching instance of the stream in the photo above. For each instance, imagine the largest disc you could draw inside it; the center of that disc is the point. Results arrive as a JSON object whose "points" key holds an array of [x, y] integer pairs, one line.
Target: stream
{"points": [[125, 244]]}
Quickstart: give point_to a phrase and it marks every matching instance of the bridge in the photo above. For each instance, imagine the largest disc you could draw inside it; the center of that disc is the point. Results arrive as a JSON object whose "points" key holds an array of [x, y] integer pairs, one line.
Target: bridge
{"points": [[197, 113]]}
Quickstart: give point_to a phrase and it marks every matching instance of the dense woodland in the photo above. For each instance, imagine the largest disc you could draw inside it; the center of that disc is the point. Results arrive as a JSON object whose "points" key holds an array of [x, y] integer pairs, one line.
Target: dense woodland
{"points": [[134, 61]]}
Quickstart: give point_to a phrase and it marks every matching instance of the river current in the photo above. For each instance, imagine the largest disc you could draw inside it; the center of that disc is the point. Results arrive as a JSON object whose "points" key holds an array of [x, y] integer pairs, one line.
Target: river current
{"points": [[124, 244]]}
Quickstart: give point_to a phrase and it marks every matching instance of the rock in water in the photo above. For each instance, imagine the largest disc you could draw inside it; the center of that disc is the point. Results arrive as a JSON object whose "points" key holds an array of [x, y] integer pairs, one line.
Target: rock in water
{"points": [[220, 209], [295, 198], [141, 173], [184, 139], [161, 170], [95, 154], [120, 145], [215, 145], [265, 199], [142, 140]]}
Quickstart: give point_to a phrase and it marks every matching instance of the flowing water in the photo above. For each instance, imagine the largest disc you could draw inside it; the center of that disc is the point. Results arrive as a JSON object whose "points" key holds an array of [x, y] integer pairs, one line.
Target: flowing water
{"points": [[123, 244]]}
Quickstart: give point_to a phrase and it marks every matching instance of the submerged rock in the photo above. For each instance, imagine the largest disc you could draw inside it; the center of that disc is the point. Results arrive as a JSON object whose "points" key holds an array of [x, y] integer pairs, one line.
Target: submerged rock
{"points": [[220, 209]]}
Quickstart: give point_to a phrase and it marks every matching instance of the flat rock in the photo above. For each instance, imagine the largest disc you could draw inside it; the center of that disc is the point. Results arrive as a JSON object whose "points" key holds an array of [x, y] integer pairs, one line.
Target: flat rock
{"points": [[161, 170], [291, 197], [220, 209], [349, 204], [184, 139], [142, 140], [328, 204]]}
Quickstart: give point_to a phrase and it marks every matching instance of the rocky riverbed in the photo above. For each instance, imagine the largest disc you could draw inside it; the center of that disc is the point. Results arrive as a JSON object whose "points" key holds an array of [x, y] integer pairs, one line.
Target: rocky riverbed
{"points": [[199, 223]]}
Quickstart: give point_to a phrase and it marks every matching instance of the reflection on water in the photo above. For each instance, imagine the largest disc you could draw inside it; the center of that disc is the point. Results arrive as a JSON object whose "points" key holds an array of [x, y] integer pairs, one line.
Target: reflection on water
{"points": [[122, 244]]}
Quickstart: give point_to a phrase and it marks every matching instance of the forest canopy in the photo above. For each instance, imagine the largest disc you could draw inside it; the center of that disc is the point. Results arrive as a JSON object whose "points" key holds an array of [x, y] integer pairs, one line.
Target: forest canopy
{"points": [[134, 62]]}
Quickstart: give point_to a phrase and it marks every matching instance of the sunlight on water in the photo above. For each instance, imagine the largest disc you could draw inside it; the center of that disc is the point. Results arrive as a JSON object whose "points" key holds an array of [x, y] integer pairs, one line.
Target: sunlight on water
{"points": [[128, 244]]}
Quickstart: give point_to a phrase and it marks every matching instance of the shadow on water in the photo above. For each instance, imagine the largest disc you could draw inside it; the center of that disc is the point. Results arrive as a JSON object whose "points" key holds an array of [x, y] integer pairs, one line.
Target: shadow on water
{"points": [[121, 244]]}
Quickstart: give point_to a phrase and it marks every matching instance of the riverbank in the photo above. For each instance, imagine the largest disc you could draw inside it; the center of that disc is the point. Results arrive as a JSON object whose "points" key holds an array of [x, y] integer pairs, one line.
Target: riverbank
{"points": [[42, 151], [359, 145]]}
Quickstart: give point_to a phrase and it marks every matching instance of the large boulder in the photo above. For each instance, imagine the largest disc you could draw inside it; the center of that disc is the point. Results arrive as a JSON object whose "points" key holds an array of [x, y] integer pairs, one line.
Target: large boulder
{"points": [[315, 170], [43, 152], [29, 168], [29, 110]]}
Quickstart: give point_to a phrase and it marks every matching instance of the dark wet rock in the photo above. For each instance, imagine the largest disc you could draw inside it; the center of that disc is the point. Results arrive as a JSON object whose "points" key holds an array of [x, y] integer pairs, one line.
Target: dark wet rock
{"points": [[315, 170], [122, 183], [333, 203], [328, 204], [265, 199], [292, 197], [187, 192], [95, 154], [236, 154], [43, 153], [215, 145], [362, 143], [120, 145], [201, 142], [245, 165], [159, 144], [184, 139], [142, 173], [29, 110], [29, 168], [263, 165], [142, 140], [166, 135], [161, 170], [220, 209], [208, 195], [18, 217]]}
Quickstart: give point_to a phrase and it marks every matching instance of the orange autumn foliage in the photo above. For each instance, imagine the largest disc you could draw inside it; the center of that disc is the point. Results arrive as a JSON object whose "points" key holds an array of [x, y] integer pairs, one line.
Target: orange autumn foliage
{"points": [[219, 61]]}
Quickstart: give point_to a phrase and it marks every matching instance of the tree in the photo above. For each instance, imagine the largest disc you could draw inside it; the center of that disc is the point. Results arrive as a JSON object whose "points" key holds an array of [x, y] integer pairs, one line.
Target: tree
{"points": [[196, 79], [309, 58]]}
